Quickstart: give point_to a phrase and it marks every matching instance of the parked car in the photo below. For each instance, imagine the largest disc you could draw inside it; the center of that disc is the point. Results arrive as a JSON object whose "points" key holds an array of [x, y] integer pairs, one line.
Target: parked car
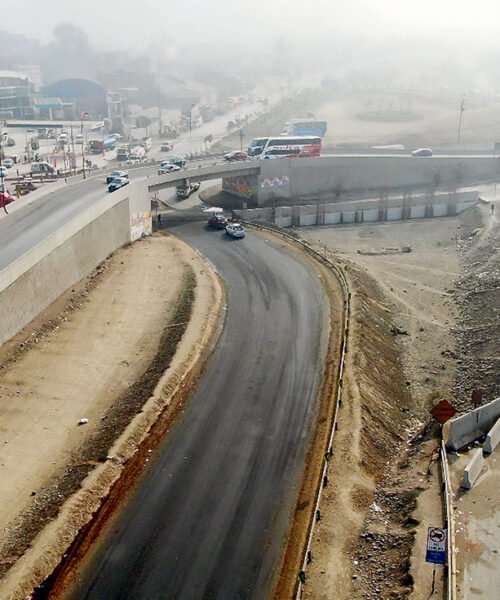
{"points": [[166, 147], [3, 170], [117, 182], [180, 161], [79, 138], [8, 163], [235, 156], [235, 230], [10, 142], [168, 168], [217, 221], [115, 174], [422, 152]]}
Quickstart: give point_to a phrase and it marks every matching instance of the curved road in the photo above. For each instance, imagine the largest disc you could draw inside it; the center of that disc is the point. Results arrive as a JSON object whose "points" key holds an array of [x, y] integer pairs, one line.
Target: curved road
{"points": [[209, 517]]}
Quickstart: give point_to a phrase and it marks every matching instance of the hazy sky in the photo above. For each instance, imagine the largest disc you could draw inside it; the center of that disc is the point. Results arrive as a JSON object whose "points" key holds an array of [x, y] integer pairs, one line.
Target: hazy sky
{"points": [[115, 23]]}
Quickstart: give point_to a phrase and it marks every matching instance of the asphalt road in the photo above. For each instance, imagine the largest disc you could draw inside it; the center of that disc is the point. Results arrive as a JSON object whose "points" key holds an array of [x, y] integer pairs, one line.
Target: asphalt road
{"points": [[208, 520]]}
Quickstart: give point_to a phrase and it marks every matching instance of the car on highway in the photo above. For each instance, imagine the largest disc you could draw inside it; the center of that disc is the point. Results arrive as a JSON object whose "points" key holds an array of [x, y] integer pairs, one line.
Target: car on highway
{"points": [[236, 156], [114, 174], [8, 163], [79, 138], [168, 168], [422, 152], [117, 182], [180, 161], [10, 141], [235, 230], [217, 221], [166, 147], [3, 171]]}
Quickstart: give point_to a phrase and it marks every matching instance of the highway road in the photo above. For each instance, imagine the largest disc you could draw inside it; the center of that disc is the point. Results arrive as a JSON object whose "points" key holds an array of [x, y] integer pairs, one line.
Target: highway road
{"points": [[208, 519]]}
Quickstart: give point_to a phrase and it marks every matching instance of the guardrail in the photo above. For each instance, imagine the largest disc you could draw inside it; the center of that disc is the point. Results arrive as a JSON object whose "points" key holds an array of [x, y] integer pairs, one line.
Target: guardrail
{"points": [[307, 552], [451, 592]]}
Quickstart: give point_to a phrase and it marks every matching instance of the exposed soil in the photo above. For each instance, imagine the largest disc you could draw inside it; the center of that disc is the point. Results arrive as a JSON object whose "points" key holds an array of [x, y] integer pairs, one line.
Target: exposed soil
{"points": [[410, 350], [106, 345]]}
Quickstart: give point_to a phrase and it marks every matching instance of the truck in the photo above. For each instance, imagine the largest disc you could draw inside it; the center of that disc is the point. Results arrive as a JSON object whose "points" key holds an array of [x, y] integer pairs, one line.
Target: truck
{"points": [[146, 143], [184, 191], [138, 153], [122, 153], [101, 146]]}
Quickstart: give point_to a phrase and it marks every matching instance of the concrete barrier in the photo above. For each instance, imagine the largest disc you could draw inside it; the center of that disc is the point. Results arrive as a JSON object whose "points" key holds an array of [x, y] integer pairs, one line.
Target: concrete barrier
{"points": [[37, 278], [473, 469], [465, 429], [492, 439]]}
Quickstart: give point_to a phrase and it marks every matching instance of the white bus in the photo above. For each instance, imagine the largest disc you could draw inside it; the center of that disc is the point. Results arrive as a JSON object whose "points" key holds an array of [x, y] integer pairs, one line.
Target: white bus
{"points": [[291, 147]]}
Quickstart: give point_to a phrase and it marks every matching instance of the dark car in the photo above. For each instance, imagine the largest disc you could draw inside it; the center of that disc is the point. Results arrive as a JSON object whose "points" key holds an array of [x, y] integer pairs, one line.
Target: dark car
{"points": [[422, 152], [116, 183], [217, 221], [235, 156], [179, 161], [115, 174], [166, 147]]}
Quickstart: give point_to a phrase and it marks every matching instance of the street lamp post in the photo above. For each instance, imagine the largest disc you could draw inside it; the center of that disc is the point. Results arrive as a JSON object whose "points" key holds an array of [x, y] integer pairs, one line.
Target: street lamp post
{"points": [[190, 130], [1, 174], [83, 143], [462, 108]]}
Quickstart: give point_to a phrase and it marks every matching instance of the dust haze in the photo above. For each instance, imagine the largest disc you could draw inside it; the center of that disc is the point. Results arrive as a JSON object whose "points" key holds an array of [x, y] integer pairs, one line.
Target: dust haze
{"points": [[454, 43]]}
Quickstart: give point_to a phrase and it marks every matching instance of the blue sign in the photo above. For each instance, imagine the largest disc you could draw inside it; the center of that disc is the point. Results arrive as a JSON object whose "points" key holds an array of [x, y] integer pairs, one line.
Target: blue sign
{"points": [[436, 545]]}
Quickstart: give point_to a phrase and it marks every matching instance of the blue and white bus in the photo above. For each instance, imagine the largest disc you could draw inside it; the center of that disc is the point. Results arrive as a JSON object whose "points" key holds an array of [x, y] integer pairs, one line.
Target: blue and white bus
{"points": [[305, 127]]}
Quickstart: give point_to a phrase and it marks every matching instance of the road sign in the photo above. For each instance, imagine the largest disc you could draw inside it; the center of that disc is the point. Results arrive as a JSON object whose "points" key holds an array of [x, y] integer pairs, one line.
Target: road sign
{"points": [[443, 411], [436, 545]]}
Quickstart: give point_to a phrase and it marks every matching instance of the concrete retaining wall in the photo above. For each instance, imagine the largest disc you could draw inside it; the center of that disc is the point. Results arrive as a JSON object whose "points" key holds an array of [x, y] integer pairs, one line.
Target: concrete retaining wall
{"points": [[393, 209], [36, 279], [473, 469], [463, 430], [301, 178], [492, 439]]}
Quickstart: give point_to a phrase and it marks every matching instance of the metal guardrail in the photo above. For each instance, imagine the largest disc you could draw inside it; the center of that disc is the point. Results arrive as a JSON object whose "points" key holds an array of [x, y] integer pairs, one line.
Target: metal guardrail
{"points": [[451, 592], [307, 552]]}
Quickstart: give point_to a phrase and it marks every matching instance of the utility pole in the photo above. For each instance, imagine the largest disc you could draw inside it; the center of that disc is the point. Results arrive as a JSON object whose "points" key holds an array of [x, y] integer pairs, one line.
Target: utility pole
{"points": [[85, 114], [462, 108], [190, 130], [160, 124], [241, 140]]}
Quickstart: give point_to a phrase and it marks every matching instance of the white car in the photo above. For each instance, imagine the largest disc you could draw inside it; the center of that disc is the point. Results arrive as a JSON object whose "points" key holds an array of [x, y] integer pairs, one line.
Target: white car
{"points": [[79, 138], [168, 168], [235, 230], [3, 171]]}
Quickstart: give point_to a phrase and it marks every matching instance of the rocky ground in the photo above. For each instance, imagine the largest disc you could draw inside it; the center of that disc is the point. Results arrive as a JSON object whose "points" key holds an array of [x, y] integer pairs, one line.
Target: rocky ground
{"points": [[427, 325]]}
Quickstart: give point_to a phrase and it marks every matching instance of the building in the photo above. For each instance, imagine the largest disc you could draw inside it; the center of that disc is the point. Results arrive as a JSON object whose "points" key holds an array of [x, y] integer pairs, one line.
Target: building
{"points": [[16, 93]]}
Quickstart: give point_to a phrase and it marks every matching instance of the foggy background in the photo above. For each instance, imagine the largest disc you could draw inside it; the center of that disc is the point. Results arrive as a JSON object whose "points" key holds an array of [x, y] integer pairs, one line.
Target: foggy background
{"points": [[419, 42]]}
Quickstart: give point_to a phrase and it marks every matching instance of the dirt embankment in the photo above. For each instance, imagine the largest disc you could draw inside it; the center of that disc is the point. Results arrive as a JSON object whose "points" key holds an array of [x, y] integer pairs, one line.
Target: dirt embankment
{"points": [[426, 329], [114, 350]]}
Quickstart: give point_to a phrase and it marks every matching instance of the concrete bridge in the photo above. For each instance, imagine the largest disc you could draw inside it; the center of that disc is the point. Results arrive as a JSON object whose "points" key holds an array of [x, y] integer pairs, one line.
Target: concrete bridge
{"points": [[326, 177]]}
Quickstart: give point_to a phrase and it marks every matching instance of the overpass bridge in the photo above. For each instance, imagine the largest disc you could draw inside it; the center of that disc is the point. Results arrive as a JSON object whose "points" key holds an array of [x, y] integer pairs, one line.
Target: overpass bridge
{"points": [[247, 169], [328, 176]]}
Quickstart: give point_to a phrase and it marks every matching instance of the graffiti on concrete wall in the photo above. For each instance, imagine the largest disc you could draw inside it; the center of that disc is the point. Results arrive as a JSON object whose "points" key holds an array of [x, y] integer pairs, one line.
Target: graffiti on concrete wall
{"points": [[274, 181], [242, 185], [140, 225]]}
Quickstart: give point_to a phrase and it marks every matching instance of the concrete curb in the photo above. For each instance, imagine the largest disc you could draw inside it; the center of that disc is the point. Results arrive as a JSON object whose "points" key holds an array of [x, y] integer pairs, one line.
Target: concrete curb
{"points": [[473, 470]]}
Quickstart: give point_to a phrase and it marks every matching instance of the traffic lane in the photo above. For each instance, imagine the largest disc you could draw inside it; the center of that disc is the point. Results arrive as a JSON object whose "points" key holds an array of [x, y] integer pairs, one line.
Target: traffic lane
{"points": [[28, 226], [209, 518]]}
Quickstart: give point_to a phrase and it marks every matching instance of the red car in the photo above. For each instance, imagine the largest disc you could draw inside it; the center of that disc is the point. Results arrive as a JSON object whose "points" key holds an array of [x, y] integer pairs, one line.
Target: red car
{"points": [[237, 155]]}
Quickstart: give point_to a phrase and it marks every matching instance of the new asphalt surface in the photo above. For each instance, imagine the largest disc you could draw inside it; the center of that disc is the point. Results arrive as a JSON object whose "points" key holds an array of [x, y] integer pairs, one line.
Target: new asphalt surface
{"points": [[209, 518]]}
